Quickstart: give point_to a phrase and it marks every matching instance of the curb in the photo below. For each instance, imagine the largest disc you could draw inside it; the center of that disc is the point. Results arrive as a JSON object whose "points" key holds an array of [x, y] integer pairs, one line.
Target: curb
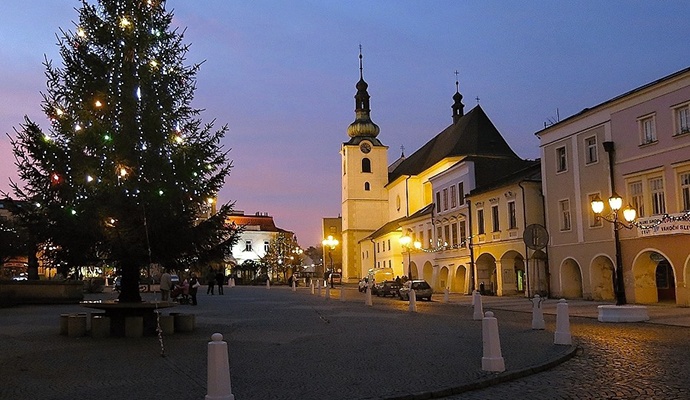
{"points": [[484, 383]]}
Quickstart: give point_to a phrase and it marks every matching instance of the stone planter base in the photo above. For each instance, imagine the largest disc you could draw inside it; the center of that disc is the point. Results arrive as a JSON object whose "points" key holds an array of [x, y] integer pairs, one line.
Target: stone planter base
{"points": [[625, 313]]}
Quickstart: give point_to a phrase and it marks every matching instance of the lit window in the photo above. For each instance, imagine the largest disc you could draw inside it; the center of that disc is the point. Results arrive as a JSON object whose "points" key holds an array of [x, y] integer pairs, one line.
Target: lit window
{"points": [[561, 160], [591, 154], [564, 207]]}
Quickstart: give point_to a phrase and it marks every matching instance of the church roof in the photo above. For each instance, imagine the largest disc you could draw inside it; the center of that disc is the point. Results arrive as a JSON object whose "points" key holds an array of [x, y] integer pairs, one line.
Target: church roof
{"points": [[472, 135]]}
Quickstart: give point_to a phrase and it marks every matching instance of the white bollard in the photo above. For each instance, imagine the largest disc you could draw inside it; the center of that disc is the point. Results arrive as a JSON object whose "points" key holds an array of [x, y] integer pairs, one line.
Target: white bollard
{"points": [[413, 301], [294, 288], [232, 282], [328, 292], [446, 295], [478, 308], [218, 370], [342, 292], [473, 292], [562, 335], [537, 313], [311, 286], [492, 359], [368, 301], [318, 287]]}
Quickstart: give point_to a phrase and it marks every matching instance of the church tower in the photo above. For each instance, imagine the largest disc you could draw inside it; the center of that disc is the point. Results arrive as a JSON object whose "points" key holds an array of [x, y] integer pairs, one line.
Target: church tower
{"points": [[364, 177]]}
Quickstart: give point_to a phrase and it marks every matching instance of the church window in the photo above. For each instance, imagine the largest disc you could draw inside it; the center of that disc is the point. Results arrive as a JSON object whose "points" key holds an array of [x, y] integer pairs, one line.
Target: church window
{"points": [[366, 165], [367, 186]]}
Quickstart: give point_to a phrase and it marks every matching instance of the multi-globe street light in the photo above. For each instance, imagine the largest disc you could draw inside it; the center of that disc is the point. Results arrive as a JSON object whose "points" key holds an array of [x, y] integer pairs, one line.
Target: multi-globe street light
{"points": [[629, 215]]}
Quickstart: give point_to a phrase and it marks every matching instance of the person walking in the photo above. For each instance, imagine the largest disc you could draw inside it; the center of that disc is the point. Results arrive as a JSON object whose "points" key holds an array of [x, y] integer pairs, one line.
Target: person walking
{"points": [[211, 279], [166, 285], [219, 281], [193, 287]]}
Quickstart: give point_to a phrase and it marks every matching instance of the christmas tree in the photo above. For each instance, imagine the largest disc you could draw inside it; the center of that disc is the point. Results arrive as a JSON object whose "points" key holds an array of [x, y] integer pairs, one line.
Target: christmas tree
{"points": [[126, 169]]}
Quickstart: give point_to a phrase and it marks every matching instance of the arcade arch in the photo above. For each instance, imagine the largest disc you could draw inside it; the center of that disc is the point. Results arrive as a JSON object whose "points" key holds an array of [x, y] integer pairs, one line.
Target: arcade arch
{"points": [[601, 276], [571, 279]]}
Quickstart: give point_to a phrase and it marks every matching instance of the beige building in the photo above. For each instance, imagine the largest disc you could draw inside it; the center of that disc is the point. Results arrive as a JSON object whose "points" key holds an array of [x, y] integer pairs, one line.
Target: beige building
{"points": [[638, 146], [421, 199]]}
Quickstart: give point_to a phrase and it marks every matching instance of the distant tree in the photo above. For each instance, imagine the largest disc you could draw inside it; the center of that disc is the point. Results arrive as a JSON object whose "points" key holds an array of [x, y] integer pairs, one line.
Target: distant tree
{"points": [[126, 167], [283, 254]]}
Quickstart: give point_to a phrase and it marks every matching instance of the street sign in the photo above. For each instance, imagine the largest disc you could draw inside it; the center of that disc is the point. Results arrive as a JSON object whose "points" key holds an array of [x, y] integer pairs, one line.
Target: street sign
{"points": [[535, 237]]}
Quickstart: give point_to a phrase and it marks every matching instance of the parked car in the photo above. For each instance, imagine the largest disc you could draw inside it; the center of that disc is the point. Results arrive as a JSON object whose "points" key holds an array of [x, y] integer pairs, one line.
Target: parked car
{"points": [[421, 288], [175, 280], [386, 288], [363, 284], [335, 278]]}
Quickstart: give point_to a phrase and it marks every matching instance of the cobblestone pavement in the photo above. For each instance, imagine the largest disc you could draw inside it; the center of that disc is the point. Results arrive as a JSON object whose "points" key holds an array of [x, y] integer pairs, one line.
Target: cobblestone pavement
{"points": [[629, 361], [286, 345]]}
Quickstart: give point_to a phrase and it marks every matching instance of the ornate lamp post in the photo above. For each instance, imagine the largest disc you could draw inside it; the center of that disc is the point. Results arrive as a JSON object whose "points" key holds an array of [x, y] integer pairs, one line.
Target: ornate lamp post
{"points": [[405, 241], [629, 215], [330, 242]]}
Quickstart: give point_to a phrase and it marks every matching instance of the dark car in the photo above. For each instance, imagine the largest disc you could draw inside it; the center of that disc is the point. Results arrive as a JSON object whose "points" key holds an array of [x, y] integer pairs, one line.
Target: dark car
{"points": [[421, 288], [386, 288]]}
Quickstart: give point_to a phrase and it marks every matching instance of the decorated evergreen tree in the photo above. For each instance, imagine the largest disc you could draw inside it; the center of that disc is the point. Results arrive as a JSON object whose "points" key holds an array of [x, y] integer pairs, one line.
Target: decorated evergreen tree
{"points": [[127, 168]]}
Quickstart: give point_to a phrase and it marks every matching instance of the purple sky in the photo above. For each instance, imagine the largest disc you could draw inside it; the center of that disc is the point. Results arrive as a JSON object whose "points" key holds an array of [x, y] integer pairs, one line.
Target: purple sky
{"points": [[282, 75]]}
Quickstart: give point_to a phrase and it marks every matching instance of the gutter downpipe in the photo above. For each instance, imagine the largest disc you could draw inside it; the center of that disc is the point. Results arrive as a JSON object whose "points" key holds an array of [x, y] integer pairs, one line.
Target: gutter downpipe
{"points": [[524, 224], [471, 246]]}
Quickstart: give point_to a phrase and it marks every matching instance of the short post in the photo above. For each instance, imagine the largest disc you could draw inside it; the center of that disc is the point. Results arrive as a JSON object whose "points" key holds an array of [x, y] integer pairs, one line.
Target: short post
{"points": [[478, 308], [562, 335], [413, 300], [328, 292], [446, 295], [294, 288], [218, 382], [268, 283], [232, 282], [342, 292], [537, 313], [473, 298], [311, 286], [492, 359], [318, 287], [367, 297]]}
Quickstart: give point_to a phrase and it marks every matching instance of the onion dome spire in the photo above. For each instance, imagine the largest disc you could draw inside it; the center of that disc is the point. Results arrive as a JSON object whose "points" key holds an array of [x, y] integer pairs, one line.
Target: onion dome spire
{"points": [[363, 125], [458, 107]]}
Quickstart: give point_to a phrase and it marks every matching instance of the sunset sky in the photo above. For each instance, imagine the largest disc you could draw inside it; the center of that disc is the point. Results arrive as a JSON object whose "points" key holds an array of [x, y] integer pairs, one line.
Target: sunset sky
{"points": [[282, 75]]}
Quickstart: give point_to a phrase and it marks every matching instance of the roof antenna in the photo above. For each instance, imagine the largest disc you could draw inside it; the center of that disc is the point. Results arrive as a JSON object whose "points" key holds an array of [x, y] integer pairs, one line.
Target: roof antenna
{"points": [[402, 151]]}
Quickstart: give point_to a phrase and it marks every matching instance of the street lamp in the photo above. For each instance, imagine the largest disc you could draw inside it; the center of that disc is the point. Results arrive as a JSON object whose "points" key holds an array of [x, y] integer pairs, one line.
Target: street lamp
{"points": [[629, 214], [330, 242], [405, 241]]}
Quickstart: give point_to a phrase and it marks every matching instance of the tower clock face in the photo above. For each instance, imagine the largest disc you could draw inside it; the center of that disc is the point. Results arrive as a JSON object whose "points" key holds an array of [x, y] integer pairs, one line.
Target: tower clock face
{"points": [[365, 147]]}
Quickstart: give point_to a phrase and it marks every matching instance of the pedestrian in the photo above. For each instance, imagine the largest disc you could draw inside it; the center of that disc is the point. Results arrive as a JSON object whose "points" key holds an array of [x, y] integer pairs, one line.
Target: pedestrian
{"points": [[398, 280], [166, 285], [193, 287], [219, 281], [211, 279]]}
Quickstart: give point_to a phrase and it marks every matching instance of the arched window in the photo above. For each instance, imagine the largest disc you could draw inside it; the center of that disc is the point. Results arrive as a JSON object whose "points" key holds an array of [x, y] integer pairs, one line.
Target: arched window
{"points": [[366, 186], [366, 165]]}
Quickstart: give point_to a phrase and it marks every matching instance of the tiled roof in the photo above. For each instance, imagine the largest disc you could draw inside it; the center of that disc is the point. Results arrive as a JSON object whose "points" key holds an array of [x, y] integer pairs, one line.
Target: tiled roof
{"points": [[530, 171], [472, 134], [264, 223]]}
